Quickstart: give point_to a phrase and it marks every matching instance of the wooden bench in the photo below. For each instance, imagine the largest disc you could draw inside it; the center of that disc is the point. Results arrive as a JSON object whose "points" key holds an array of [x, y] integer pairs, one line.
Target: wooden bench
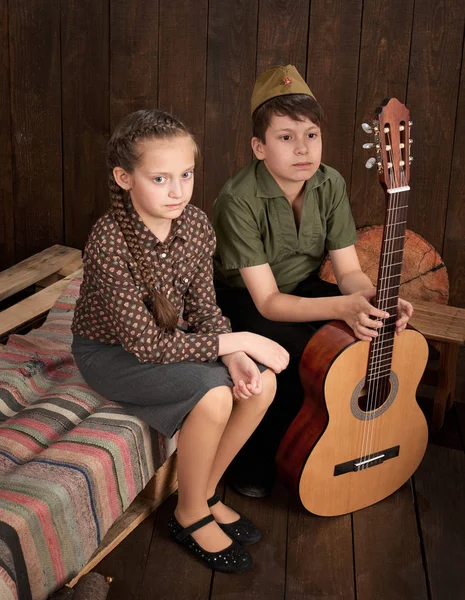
{"points": [[444, 327], [50, 272]]}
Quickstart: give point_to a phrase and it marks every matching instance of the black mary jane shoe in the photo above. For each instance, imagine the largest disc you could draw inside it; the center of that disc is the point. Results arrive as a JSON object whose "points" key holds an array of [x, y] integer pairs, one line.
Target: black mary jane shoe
{"points": [[233, 559], [242, 530]]}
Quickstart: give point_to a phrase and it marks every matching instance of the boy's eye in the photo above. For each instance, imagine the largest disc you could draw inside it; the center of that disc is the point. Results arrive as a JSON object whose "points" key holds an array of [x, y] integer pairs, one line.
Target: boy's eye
{"points": [[187, 175], [312, 135], [286, 138], [159, 179]]}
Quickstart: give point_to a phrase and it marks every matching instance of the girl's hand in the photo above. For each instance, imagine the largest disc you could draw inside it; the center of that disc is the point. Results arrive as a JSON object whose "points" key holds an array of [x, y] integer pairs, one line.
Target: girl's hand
{"points": [[245, 374], [404, 312], [357, 312]]}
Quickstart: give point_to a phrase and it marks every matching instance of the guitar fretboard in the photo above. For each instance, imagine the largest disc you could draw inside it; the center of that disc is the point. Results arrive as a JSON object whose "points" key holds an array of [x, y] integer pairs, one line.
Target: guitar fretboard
{"points": [[392, 250]]}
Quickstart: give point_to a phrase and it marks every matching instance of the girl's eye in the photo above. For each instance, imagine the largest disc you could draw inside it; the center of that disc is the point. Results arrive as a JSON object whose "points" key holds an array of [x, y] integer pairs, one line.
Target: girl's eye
{"points": [[187, 175], [312, 135], [159, 179]]}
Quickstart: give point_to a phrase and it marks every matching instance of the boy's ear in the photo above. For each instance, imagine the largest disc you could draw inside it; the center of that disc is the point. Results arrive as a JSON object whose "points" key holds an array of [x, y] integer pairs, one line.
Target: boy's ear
{"points": [[257, 147], [122, 178]]}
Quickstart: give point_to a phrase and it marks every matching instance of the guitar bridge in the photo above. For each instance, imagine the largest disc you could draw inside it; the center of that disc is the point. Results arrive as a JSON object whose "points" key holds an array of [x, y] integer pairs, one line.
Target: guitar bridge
{"points": [[365, 462]]}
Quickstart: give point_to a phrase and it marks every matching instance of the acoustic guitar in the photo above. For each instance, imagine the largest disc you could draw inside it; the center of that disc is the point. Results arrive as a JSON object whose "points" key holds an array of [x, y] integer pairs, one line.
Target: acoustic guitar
{"points": [[360, 433]]}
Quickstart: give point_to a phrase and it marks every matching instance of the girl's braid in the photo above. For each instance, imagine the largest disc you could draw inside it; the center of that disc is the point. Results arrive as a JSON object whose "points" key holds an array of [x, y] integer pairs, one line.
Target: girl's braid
{"points": [[122, 151]]}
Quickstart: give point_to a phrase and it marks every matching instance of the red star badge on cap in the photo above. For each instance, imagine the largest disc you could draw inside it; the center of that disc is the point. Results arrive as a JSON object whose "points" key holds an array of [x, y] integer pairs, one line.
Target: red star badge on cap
{"points": [[287, 80]]}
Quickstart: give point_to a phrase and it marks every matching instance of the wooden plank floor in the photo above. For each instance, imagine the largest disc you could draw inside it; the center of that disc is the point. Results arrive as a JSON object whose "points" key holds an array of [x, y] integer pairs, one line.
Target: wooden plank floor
{"points": [[409, 546]]}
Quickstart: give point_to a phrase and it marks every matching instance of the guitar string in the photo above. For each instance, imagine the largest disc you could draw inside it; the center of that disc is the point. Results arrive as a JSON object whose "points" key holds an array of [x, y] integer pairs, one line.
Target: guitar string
{"points": [[395, 227], [386, 272], [381, 382], [368, 407], [376, 381], [371, 392], [398, 243], [369, 404]]}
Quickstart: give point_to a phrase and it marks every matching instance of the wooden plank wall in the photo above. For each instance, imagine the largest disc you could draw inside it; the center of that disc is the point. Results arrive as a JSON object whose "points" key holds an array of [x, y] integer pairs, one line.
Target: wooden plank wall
{"points": [[71, 70]]}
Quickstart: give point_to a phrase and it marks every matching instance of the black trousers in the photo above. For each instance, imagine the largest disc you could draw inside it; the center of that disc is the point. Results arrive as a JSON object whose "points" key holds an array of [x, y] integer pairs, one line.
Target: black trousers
{"points": [[237, 304]]}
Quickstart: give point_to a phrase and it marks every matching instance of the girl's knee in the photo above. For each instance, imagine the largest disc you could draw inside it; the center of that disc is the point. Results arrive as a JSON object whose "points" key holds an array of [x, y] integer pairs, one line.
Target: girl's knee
{"points": [[269, 382], [216, 405], [268, 388]]}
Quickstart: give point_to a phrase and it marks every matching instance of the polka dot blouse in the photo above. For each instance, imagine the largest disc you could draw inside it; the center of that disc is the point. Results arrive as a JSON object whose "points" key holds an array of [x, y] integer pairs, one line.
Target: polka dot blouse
{"points": [[112, 307]]}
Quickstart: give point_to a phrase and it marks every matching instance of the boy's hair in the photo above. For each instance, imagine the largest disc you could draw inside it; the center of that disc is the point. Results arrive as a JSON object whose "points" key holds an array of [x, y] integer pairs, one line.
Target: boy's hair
{"points": [[296, 106], [123, 151]]}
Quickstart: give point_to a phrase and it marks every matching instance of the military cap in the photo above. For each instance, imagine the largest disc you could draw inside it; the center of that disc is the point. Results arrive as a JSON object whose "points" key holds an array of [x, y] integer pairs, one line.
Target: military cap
{"points": [[278, 81]]}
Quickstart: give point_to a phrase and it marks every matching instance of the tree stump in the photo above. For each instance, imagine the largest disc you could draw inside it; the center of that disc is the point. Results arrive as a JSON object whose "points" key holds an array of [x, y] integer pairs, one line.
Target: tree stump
{"points": [[424, 275]]}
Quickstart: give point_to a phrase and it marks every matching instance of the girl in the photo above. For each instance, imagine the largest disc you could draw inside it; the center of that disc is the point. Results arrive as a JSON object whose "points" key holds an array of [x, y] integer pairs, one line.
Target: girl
{"points": [[147, 261]]}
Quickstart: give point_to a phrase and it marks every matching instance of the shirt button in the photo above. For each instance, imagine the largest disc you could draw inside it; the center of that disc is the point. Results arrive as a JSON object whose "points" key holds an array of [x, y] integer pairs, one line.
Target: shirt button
{"points": [[186, 280], [163, 255]]}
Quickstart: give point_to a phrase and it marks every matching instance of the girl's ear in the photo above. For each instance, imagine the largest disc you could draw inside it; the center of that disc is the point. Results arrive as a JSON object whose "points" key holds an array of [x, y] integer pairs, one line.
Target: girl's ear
{"points": [[257, 147], [123, 179]]}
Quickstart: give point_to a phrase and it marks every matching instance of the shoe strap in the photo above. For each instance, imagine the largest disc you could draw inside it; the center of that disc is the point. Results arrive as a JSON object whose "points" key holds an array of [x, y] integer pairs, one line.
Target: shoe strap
{"points": [[197, 525], [213, 500]]}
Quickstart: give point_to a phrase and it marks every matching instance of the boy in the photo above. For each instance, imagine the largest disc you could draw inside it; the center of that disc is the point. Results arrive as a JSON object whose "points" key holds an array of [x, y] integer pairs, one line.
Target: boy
{"points": [[274, 221]]}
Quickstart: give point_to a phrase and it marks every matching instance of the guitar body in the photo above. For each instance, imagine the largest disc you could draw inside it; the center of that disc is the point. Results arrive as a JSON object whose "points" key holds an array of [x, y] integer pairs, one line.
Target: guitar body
{"points": [[332, 433]]}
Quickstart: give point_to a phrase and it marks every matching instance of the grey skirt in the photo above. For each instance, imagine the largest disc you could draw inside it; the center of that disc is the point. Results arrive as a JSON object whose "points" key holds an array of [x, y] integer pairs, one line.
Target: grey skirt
{"points": [[162, 395]]}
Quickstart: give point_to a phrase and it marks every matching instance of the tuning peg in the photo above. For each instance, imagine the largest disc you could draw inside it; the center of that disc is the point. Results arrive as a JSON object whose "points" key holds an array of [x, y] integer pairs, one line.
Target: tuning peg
{"points": [[410, 123], [410, 159], [367, 128], [368, 146], [371, 162]]}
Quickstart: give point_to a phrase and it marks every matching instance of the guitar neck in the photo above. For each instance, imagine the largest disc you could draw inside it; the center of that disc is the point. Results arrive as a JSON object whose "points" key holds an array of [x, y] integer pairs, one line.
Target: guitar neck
{"points": [[392, 143], [387, 294]]}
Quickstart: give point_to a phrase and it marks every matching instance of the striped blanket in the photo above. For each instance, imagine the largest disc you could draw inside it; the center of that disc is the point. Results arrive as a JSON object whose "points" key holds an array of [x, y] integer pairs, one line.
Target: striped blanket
{"points": [[70, 461]]}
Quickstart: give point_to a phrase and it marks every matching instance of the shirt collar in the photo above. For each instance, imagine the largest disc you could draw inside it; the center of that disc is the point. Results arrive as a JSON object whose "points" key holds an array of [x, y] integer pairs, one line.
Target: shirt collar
{"points": [[268, 188], [147, 238]]}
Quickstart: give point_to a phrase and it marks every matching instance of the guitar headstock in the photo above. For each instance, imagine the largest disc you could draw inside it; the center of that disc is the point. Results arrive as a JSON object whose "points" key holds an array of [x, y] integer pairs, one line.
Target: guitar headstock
{"points": [[391, 130]]}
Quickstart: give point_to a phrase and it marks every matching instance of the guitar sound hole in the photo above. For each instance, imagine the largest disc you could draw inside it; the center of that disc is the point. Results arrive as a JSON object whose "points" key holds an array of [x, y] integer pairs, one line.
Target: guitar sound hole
{"points": [[372, 397]]}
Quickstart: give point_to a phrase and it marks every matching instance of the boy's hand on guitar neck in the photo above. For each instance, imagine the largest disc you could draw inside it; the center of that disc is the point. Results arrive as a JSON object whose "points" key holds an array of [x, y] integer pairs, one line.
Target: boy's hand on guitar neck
{"points": [[358, 313], [363, 318]]}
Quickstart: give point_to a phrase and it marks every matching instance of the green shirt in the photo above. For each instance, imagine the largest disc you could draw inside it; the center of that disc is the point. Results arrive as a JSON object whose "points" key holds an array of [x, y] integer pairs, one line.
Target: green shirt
{"points": [[255, 225]]}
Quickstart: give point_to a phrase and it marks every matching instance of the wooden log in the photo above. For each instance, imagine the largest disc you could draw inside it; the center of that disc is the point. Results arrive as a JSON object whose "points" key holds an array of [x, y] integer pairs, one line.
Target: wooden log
{"points": [[424, 275]]}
